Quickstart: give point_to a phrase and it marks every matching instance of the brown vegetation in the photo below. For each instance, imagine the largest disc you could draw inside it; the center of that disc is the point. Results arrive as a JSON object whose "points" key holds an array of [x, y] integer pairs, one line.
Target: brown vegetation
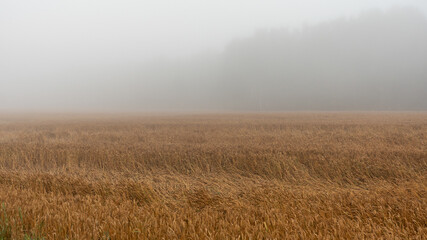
{"points": [[223, 176]]}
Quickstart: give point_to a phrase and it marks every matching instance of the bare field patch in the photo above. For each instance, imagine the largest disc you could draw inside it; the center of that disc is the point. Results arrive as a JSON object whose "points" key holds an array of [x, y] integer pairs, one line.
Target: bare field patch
{"points": [[214, 176]]}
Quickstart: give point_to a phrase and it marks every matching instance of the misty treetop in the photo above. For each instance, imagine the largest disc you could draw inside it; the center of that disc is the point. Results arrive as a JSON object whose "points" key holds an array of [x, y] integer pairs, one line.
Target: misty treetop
{"points": [[377, 61]]}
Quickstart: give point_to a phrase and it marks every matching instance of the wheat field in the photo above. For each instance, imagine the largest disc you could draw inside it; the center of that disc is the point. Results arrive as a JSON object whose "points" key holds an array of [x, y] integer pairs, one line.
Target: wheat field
{"points": [[214, 176]]}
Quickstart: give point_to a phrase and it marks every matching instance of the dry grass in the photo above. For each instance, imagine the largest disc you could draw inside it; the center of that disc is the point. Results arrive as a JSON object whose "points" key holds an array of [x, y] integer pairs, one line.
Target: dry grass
{"points": [[224, 176]]}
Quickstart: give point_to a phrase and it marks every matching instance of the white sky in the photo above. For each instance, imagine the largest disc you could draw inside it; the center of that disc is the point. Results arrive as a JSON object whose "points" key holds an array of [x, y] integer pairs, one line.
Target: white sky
{"points": [[45, 37], [66, 29]]}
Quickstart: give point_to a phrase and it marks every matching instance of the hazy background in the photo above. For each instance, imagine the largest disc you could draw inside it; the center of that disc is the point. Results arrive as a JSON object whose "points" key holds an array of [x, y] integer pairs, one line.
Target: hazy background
{"points": [[217, 55]]}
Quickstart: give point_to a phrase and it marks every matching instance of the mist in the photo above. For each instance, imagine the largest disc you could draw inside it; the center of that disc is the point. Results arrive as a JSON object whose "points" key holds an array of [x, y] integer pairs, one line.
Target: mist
{"points": [[374, 58]]}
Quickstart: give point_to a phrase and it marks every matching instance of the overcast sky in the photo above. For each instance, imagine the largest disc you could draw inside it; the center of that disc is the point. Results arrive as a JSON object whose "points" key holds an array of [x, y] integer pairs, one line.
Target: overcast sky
{"points": [[108, 30], [43, 38]]}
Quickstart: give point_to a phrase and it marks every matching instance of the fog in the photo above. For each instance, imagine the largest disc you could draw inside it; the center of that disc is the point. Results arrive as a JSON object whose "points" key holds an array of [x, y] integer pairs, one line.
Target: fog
{"points": [[206, 56]]}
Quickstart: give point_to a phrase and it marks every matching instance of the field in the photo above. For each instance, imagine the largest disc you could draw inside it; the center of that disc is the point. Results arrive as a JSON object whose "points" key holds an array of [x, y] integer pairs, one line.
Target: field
{"points": [[214, 176]]}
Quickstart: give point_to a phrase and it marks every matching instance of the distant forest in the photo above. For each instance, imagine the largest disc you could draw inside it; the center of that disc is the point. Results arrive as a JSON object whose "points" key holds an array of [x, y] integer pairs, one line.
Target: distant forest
{"points": [[376, 61]]}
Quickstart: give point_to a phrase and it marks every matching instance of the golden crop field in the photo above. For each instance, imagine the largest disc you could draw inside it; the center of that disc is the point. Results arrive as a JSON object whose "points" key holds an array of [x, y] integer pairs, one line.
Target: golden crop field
{"points": [[214, 176]]}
